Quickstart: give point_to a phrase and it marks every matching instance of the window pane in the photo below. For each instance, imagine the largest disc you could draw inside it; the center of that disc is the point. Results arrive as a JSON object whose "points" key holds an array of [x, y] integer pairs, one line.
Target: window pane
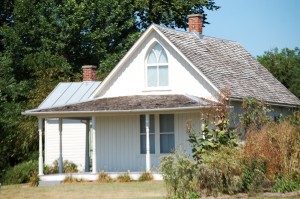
{"points": [[152, 76], [152, 143], [157, 49], [163, 57], [167, 143], [142, 124], [163, 76], [166, 123], [152, 58], [152, 124], [143, 144]]}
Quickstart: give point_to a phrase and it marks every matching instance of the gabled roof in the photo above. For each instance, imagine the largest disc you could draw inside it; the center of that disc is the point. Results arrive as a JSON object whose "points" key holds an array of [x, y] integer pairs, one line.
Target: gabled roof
{"points": [[69, 93], [228, 65], [135, 103]]}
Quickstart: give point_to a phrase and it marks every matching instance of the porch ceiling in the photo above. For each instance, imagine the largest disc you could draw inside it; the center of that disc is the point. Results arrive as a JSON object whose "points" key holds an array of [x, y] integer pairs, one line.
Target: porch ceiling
{"points": [[130, 104]]}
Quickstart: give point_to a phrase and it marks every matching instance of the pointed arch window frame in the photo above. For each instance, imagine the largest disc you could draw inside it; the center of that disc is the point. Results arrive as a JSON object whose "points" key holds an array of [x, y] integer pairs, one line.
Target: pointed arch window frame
{"points": [[157, 67]]}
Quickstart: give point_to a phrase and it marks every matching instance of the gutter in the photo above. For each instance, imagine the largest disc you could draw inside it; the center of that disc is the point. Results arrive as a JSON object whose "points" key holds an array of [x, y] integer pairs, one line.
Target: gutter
{"points": [[89, 113], [269, 103]]}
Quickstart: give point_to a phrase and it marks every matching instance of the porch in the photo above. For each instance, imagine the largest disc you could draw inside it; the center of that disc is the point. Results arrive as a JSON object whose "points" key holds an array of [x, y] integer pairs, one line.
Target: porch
{"points": [[58, 178]]}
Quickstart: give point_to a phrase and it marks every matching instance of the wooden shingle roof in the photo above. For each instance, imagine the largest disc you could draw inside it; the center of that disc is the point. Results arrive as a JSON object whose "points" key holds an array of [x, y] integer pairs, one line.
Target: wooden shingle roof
{"points": [[228, 65]]}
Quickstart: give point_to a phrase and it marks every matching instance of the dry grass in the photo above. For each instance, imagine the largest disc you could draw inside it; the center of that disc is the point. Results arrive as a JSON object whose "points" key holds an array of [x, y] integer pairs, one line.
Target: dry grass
{"points": [[279, 145], [151, 189]]}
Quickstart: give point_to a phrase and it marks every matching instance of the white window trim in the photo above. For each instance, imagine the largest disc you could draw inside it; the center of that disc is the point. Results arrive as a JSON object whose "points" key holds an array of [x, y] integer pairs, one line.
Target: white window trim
{"points": [[156, 88]]}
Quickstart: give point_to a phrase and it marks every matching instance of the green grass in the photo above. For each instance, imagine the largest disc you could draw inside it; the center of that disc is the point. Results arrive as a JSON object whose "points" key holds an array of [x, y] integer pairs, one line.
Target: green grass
{"points": [[87, 190]]}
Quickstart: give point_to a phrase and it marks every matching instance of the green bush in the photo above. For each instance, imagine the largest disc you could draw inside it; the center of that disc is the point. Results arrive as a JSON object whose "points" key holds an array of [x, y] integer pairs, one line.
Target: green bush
{"points": [[220, 171], [285, 184], [146, 177], [104, 178], [253, 175], [68, 167], [20, 173], [178, 172]]}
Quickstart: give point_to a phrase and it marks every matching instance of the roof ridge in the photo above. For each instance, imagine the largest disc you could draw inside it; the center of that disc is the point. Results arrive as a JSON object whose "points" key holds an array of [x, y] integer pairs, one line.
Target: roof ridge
{"points": [[192, 34]]}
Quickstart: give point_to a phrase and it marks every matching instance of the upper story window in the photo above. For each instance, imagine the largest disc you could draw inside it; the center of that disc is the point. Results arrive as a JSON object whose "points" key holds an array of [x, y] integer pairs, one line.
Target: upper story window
{"points": [[157, 67]]}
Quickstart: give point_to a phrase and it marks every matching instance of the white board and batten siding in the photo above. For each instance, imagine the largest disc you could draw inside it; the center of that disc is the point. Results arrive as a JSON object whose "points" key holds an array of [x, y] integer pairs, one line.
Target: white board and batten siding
{"points": [[131, 79], [73, 142], [118, 141]]}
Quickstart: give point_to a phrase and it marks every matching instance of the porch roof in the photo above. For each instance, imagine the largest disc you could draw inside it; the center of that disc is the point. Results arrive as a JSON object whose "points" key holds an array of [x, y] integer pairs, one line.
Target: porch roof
{"points": [[136, 103]]}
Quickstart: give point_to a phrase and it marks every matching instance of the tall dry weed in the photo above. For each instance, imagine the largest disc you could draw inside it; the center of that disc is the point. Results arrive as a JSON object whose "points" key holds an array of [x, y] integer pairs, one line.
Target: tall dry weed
{"points": [[279, 145]]}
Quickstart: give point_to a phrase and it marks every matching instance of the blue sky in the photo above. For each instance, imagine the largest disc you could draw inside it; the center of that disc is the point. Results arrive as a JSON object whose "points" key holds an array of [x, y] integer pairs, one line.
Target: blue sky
{"points": [[258, 25]]}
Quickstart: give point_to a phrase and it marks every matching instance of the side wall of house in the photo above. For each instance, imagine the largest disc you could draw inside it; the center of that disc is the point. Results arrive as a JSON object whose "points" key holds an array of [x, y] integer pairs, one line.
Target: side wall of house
{"points": [[131, 78], [118, 141], [73, 142]]}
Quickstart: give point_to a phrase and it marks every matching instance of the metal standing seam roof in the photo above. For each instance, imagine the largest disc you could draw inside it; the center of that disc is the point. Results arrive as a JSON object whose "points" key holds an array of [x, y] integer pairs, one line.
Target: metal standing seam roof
{"points": [[69, 93], [228, 65]]}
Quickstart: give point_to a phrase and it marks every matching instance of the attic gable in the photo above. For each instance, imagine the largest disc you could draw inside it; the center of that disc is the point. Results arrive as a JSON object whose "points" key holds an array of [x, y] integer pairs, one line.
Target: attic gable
{"points": [[228, 65]]}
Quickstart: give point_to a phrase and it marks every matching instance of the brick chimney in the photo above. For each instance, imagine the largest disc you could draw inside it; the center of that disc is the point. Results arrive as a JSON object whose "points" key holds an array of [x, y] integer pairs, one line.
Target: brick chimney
{"points": [[195, 23], [88, 73]]}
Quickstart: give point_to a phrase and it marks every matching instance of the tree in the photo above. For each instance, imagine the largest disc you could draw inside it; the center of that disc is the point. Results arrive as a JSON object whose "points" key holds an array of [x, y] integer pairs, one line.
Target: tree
{"points": [[285, 66]]}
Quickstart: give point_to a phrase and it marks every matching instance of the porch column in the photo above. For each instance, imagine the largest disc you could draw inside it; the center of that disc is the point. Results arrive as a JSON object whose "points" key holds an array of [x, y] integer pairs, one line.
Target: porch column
{"points": [[148, 160], [94, 162], [60, 160], [87, 146], [41, 166]]}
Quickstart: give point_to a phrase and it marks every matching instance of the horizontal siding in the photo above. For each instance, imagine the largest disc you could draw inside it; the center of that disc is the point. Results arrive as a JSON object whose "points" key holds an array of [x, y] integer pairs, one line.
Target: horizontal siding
{"points": [[73, 142]]}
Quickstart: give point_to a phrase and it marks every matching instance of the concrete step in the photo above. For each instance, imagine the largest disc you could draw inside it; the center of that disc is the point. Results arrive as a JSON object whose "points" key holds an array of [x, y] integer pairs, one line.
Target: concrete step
{"points": [[49, 182]]}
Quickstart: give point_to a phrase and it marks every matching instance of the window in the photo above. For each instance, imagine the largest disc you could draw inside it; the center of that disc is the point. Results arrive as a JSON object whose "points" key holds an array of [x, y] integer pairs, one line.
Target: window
{"points": [[157, 67], [143, 134], [166, 126]]}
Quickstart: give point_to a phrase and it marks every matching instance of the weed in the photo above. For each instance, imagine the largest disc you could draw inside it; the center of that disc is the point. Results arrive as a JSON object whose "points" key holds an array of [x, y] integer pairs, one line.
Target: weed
{"points": [[104, 178], [124, 178], [146, 177]]}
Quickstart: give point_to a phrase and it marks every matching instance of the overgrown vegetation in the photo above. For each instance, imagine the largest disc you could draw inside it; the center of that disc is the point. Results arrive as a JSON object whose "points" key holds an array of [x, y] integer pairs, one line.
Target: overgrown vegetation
{"points": [[269, 159]]}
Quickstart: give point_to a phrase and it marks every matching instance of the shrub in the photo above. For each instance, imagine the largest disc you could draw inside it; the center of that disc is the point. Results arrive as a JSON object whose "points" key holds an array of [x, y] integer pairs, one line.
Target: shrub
{"points": [[68, 167], [20, 173], [278, 144], [220, 171], [146, 177], [285, 184], [34, 179], [104, 178], [124, 178], [178, 172], [253, 175]]}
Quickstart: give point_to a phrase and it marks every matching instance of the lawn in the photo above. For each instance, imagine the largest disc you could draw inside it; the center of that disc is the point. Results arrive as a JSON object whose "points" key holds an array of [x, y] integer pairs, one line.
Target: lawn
{"points": [[140, 190], [87, 190]]}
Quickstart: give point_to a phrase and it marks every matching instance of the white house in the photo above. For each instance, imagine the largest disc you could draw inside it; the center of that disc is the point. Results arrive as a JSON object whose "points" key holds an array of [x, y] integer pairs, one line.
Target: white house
{"points": [[139, 112]]}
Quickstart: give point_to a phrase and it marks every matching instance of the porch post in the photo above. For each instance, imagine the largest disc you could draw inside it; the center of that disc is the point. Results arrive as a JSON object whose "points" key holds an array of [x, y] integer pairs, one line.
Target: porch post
{"points": [[41, 166], [87, 147], [148, 160], [94, 162], [60, 161]]}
